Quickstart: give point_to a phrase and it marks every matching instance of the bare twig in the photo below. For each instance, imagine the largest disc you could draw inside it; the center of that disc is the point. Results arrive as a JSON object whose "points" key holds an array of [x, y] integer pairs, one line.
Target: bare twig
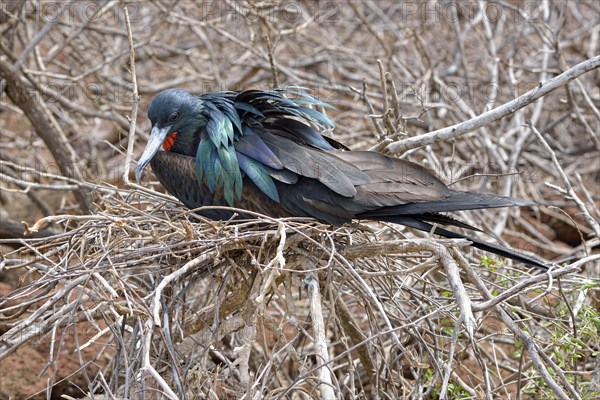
{"points": [[272, 61], [136, 100]]}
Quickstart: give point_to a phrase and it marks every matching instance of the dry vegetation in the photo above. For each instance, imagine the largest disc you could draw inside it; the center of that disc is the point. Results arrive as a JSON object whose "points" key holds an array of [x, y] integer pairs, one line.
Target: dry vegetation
{"points": [[119, 292]]}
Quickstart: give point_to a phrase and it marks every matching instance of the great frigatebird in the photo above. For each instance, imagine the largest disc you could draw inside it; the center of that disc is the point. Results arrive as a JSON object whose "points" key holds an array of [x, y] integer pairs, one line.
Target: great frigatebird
{"points": [[260, 151]]}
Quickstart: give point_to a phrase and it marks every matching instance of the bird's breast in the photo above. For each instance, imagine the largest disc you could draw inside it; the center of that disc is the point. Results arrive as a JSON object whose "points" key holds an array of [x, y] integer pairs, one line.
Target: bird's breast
{"points": [[177, 173]]}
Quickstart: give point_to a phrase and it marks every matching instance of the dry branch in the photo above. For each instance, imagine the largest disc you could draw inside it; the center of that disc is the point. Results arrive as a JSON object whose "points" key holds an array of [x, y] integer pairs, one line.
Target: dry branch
{"points": [[319, 334], [47, 128], [451, 132]]}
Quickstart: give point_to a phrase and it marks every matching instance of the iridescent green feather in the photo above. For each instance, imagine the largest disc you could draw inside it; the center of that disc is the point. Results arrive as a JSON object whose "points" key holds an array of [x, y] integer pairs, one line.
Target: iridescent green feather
{"points": [[228, 116], [259, 175], [230, 172], [203, 158]]}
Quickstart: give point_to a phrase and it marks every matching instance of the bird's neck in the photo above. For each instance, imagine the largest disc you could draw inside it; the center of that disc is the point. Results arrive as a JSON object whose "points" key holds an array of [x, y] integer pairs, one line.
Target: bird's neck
{"points": [[188, 137]]}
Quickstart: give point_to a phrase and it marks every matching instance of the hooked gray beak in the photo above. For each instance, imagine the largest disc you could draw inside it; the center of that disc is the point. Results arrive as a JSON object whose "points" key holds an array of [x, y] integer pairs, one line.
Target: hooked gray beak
{"points": [[157, 137]]}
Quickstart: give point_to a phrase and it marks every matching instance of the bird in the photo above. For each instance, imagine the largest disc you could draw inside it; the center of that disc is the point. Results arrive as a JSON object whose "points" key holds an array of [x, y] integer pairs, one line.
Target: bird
{"points": [[266, 151]]}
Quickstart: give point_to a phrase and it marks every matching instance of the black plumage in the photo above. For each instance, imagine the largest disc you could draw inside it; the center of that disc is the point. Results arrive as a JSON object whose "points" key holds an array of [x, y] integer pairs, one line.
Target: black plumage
{"points": [[260, 151]]}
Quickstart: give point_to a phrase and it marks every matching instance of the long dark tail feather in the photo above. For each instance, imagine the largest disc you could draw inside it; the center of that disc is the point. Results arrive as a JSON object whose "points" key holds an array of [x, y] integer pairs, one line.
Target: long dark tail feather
{"points": [[456, 201], [502, 251], [446, 220]]}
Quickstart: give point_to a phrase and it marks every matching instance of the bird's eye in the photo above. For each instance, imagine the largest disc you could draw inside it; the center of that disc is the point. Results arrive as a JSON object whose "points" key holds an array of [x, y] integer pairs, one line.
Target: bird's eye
{"points": [[173, 116]]}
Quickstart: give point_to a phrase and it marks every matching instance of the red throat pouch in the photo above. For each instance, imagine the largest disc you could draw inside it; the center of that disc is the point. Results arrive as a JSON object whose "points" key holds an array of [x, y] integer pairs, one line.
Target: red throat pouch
{"points": [[168, 143]]}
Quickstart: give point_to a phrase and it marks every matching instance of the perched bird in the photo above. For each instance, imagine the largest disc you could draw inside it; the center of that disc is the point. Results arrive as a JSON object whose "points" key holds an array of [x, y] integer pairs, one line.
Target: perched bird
{"points": [[260, 151]]}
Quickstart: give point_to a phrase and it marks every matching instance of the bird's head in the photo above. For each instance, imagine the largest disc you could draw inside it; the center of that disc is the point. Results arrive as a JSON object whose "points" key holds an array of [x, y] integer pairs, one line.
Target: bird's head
{"points": [[176, 116]]}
